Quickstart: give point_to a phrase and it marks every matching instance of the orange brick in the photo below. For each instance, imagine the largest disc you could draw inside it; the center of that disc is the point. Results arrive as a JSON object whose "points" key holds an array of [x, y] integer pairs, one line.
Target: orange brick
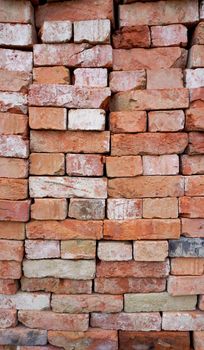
{"points": [[13, 189], [47, 164], [8, 286], [196, 57], [193, 227], [10, 269], [11, 250], [13, 168], [196, 143], [192, 165], [166, 121], [12, 230], [194, 119], [14, 210], [145, 251], [51, 75], [187, 266], [15, 124], [160, 208], [123, 166], [49, 209], [47, 118], [14, 81], [191, 207], [127, 121], [194, 185]]}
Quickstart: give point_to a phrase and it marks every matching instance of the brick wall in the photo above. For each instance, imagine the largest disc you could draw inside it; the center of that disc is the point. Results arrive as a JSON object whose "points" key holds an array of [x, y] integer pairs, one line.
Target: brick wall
{"points": [[102, 175]]}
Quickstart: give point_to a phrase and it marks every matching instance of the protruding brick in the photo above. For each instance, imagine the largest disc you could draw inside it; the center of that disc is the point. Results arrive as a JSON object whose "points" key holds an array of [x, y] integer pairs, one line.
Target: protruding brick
{"points": [[201, 302], [11, 250], [123, 166], [21, 12], [129, 37], [42, 249], [160, 340], [120, 285], [78, 249], [56, 31], [92, 31], [13, 146], [12, 230], [122, 209], [185, 285], [197, 38], [51, 75], [97, 338], [73, 141], [52, 321], [160, 208], [64, 230], [13, 168], [91, 77], [47, 164], [123, 81], [87, 303], [191, 207], [10, 270], [25, 301], [161, 165], [79, 269], [13, 189], [127, 321], [197, 97], [196, 57], [159, 13], [193, 227], [187, 266], [158, 302], [198, 340], [111, 269], [114, 251], [166, 121], [8, 286], [8, 318], [150, 99], [49, 209], [17, 35], [145, 251], [86, 209], [170, 78], [194, 185], [14, 210], [86, 119], [170, 35], [146, 186], [14, 81], [196, 143], [73, 55], [127, 121], [15, 102], [186, 247], [56, 285], [23, 336], [16, 60], [183, 321], [162, 57], [192, 165], [47, 118], [194, 119]]}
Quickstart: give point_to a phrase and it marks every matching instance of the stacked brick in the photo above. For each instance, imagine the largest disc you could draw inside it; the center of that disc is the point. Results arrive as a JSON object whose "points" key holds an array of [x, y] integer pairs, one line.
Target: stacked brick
{"points": [[101, 201]]}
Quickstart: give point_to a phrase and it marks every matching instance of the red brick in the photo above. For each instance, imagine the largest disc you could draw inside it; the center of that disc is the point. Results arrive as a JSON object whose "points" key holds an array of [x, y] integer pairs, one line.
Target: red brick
{"points": [[201, 302], [8, 286], [164, 57], [148, 143], [13, 189], [13, 146], [10, 269], [159, 340], [14, 81], [192, 165], [51, 75], [170, 78], [111, 269], [198, 340], [129, 37], [198, 38], [170, 35], [123, 166], [47, 164], [51, 321], [95, 338], [150, 99], [91, 77], [163, 208], [84, 165], [124, 81], [191, 207], [8, 318], [127, 121], [197, 97], [47, 118], [21, 12], [56, 285], [161, 165], [49, 209], [74, 11], [194, 119], [185, 285], [63, 230], [13, 168], [73, 56], [15, 60], [193, 227], [148, 229], [187, 266], [122, 209], [194, 185], [127, 321], [14, 210], [166, 121], [183, 321], [11, 250], [196, 143], [196, 57], [159, 13], [87, 303], [120, 285], [73, 141], [12, 230], [42, 249]]}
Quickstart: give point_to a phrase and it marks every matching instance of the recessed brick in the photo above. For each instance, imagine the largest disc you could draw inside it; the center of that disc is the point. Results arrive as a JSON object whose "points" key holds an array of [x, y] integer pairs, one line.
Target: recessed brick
{"points": [[122, 208]]}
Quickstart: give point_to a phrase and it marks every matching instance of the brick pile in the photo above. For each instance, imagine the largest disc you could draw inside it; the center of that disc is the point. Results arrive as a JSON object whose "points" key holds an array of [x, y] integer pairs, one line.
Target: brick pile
{"points": [[102, 175]]}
